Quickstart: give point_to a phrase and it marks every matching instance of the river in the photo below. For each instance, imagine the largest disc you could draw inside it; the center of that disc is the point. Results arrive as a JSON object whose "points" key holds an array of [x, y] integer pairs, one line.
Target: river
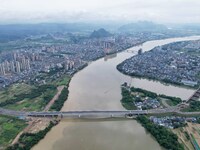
{"points": [[97, 87]]}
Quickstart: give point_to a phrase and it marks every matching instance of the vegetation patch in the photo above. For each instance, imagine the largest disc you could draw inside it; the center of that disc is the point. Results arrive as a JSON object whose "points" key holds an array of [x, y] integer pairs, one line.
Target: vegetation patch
{"points": [[127, 100], [62, 81], [9, 128], [132, 95], [37, 95], [61, 99], [15, 89], [145, 92], [165, 137], [28, 140], [193, 106], [172, 101]]}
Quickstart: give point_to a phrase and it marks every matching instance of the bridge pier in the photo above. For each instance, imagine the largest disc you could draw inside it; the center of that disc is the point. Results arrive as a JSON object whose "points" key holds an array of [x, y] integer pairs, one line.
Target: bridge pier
{"points": [[130, 115]]}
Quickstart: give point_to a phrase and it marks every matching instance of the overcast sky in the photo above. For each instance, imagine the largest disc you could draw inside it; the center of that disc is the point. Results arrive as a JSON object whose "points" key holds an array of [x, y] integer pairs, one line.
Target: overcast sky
{"points": [[163, 11]]}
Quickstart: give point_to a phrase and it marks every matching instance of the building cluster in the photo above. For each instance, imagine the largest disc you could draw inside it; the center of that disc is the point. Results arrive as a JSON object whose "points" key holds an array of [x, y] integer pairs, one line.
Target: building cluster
{"points": [[175, 63], [17, 65], [25, 63], [148, 103], [172, 121]]}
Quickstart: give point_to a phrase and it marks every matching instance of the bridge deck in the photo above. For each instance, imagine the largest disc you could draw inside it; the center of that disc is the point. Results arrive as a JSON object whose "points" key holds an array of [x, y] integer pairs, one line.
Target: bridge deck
{"points": [[98, 114], [86, 113]]}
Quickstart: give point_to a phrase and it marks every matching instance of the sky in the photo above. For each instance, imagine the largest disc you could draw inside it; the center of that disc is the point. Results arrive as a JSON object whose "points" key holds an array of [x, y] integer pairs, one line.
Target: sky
{"points": [[161, 11]]}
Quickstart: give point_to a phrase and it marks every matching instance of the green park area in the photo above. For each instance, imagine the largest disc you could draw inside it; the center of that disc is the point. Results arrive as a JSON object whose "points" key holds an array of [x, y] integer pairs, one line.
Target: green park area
{"points": [[21, 96], [34, 97], [9, 128], [62, 81]]}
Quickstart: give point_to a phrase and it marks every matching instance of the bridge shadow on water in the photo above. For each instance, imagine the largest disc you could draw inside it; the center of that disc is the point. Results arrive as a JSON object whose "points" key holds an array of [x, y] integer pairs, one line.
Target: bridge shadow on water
{"points": [[95, 119]]}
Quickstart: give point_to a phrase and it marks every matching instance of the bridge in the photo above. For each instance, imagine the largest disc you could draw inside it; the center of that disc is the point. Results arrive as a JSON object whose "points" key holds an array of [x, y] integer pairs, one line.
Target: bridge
{"points": [[98, 114], [75, 114], [194, 96], [89, 114], [130, 51]]}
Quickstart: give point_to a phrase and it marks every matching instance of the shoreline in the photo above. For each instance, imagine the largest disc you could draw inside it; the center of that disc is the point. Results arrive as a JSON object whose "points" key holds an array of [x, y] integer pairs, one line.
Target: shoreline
{"points": [[157, 80]]}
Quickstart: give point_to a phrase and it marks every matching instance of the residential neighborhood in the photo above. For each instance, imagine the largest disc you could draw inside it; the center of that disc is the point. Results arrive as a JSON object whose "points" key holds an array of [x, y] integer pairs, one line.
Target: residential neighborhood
{"points": [[177, 63]]}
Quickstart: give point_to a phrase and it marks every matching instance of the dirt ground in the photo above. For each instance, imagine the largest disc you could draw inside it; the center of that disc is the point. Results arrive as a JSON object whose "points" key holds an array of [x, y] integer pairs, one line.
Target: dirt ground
{"points": [[48, 106], [34, 125], [194, 129], [191, 129]]}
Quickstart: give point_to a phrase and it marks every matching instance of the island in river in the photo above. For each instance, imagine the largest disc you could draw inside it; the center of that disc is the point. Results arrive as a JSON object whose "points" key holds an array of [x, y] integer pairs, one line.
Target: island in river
{"points": [[177, 63]]}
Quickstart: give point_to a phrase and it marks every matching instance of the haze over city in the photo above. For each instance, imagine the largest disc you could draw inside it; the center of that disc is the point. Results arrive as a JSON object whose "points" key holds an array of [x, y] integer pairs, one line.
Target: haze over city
{"points": [[37, 11]]}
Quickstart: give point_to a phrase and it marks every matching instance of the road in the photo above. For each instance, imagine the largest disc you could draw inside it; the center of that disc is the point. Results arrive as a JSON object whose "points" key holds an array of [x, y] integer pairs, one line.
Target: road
{"points": [[48, 106]]}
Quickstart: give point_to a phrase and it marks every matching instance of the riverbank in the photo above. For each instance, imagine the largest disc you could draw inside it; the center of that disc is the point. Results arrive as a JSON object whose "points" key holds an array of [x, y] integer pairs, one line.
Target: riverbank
{"points": [[165, 137], [167, 82], [28, 140]]}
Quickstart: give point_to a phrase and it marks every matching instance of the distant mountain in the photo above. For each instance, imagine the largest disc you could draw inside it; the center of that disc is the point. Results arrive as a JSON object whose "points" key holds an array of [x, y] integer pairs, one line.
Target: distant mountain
{"points": [[142, 26], [100, 33], [19, 31]]}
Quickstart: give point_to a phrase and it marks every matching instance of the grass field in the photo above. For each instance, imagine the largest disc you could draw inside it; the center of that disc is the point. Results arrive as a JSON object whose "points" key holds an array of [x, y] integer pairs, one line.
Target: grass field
{"points": [[9, 128], [28, 105], [62, 81], [35, 104], [28, 102], [171, 102], [15, 89], [21, 96]]}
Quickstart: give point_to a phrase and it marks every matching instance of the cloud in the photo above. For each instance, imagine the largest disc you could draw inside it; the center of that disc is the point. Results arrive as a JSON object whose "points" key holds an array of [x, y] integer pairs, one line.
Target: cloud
{"points": [[176, 11]]}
